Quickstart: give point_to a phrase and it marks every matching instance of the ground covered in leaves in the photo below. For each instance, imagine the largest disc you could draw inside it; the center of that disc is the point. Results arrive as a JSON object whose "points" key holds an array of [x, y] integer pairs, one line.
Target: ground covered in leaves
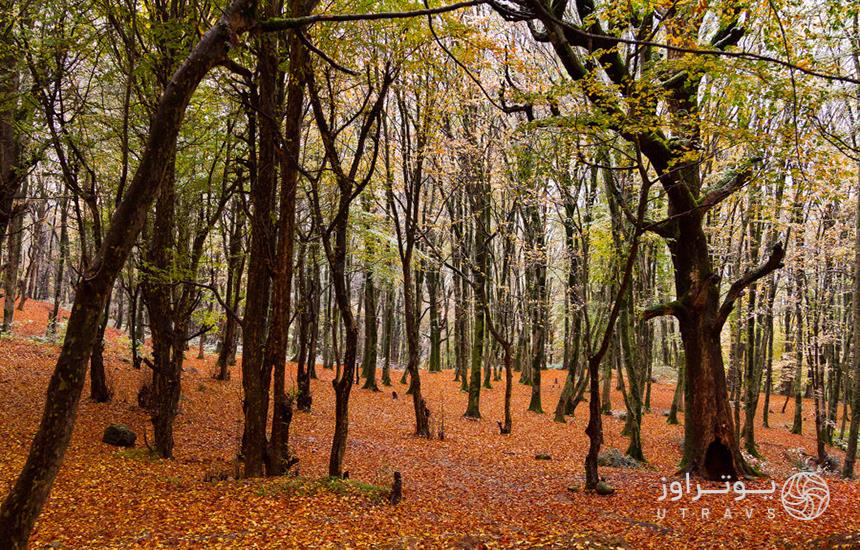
{"points": [[475, 488]]}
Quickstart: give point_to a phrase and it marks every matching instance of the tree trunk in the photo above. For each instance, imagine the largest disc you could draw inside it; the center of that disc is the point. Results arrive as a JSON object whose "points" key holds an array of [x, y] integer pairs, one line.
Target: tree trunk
{"points": [[256, 375], [854, 430], [235, 267], [710, 446], [99, 391], [480, 212], [433, 283], [13, 261], [278, 459], [387, 335], [61, 263], [370, 333]]}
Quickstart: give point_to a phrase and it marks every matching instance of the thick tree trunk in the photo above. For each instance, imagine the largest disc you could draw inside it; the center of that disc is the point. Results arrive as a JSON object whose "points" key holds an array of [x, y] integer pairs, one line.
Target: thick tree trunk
{"points": [[710, 444], [10, 146]]}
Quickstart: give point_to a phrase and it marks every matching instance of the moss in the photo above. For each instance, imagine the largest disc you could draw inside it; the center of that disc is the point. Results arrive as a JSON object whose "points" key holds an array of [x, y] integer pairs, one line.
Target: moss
{"points": [[138, 453], [307, 487]]}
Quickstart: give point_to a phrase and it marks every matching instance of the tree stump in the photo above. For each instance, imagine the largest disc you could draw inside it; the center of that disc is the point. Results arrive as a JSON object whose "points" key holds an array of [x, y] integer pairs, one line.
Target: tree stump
{"points": [[396, 489]]}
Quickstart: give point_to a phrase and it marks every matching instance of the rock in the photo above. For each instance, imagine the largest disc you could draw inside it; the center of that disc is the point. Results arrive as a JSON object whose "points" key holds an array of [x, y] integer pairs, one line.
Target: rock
{"points": [[800, 460], [119, 435], [573, 488], [831, 463], [543, 456], [666, 412], [604, 488], [613, 458], [620, 415]]}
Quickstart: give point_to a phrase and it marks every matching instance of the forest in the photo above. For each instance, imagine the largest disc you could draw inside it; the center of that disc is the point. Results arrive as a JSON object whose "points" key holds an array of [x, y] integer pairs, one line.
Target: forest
{"points": [[400, 274]]}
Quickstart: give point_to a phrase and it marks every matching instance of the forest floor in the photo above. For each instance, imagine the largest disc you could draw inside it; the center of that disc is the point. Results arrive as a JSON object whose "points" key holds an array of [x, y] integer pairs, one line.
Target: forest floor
{"points": [[475, 488]]}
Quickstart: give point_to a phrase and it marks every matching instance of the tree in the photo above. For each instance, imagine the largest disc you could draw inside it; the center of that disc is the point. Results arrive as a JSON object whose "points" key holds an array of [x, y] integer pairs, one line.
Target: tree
{"points": [[711, 447], [334, 231]]}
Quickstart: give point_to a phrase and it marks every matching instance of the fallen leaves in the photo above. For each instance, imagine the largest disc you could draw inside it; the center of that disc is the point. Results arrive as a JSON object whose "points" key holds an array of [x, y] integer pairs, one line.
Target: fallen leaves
{"points": [[474, 489]]}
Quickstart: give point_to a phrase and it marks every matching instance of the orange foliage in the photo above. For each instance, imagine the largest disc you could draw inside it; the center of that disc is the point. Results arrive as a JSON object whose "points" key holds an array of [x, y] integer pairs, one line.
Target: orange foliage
{"points": [[474, 489]]}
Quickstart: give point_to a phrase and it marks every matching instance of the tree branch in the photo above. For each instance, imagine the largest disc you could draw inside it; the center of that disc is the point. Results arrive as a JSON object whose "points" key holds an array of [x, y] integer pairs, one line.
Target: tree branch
{"points": [[773, 263], [280, 24], [672, 308], [734, 180]]}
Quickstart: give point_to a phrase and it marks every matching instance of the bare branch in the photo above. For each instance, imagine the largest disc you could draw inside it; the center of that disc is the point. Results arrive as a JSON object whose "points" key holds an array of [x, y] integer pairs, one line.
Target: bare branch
{"points": [[773, 263], [734, 180], [672, 308], [280, 24]]}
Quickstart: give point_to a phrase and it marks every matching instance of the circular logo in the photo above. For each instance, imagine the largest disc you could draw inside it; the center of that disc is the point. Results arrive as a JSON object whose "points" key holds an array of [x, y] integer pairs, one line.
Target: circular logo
{"points": [[805, 495]]}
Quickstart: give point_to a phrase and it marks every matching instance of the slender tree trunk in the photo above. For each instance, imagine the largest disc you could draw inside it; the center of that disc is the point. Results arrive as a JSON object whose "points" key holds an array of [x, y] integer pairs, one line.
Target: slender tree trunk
{"points": [[13, 261], [370, 333], [432, 278], [61, 263], [480, 211], [99, 391], [235, 267], [854, 430]]}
